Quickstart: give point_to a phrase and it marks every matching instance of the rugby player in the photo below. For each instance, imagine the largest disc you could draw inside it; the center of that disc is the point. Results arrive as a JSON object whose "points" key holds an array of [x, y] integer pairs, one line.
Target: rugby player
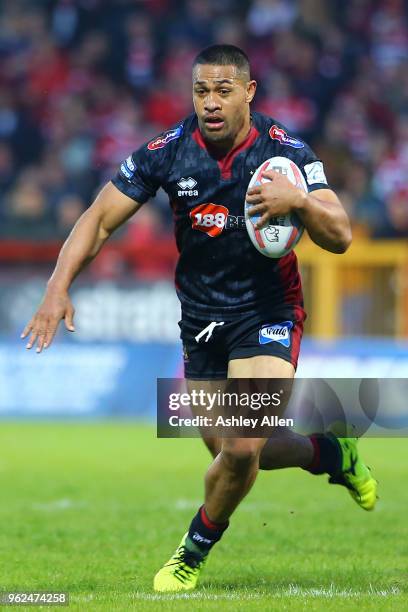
{"points": [[228, 291]]}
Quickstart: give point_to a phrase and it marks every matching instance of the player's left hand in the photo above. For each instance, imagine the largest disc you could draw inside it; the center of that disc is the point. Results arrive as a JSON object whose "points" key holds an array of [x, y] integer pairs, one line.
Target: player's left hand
{"points": [[275, 198]]}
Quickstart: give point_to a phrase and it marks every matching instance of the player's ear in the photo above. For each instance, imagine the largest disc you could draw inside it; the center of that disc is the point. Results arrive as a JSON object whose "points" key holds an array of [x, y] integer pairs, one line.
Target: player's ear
{"points": [[250, 91]]}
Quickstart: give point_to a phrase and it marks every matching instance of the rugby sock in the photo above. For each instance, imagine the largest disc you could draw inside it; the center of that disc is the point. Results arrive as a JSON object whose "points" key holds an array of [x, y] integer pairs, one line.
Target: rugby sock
{"points": [[327, 455], [203, 533]]}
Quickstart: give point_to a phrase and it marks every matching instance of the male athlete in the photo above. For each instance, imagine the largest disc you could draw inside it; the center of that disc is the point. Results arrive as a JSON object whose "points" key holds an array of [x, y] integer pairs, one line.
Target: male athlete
{"points": [[228, 291]]}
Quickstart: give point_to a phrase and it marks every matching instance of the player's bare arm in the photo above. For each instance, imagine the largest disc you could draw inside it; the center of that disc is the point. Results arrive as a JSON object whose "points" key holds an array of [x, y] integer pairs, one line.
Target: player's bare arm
{"points": [[110, 209], [321, 211]]}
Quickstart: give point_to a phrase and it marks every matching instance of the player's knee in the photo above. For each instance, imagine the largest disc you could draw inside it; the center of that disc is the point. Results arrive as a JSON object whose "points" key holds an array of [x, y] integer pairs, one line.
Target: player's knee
{"points": [[213, 445], [240, 456]]}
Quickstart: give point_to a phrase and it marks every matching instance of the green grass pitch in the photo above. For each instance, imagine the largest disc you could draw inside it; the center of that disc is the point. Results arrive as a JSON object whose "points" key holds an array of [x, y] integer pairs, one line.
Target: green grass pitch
{"points": [[95, 510]]}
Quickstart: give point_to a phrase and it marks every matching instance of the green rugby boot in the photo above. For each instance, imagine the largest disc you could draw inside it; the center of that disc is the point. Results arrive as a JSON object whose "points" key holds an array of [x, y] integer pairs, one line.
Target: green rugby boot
{"points": [[181, 572], [354, 474]]}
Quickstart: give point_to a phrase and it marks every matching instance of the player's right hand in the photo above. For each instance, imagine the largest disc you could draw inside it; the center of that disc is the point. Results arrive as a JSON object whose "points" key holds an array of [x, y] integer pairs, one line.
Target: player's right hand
{"points": [[44, 324]]}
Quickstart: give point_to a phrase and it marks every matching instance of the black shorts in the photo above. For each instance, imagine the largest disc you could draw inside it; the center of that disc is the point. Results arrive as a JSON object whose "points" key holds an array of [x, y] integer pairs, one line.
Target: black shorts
{"points": [[209, 345]]}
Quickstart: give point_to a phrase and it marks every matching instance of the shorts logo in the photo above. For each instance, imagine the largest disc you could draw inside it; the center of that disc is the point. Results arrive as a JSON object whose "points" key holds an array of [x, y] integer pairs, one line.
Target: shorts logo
{"points": [[277, 133], [128, 167], [161, 141], [208, 331], [209, 218], [279, 332], [185, 353]]}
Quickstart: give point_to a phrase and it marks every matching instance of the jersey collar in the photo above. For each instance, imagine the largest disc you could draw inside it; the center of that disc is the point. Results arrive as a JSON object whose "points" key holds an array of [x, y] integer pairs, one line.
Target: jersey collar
{"points": [[225, 161]]}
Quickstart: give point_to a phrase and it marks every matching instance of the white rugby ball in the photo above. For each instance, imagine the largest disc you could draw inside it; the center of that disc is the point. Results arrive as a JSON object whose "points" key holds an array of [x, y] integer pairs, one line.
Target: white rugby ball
{"points": [[284, 232]]}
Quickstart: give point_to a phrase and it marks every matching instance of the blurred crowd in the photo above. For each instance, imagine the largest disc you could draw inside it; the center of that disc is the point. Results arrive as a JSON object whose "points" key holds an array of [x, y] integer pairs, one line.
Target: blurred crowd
{"points": [[85, 82]]}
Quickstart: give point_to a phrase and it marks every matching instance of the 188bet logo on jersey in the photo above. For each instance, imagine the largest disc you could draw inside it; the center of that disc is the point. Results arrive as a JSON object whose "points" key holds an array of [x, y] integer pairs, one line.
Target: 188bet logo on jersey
{"points": [[209, 218]]}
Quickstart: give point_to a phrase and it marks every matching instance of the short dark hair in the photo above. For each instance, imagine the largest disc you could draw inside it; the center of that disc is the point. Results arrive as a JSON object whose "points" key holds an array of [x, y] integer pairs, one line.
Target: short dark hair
{"points": [[224, 55]]}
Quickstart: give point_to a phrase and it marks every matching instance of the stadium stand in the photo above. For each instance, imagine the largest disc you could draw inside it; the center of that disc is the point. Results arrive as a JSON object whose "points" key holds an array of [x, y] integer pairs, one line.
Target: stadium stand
{"points": [[85, 82], [82, 83]]}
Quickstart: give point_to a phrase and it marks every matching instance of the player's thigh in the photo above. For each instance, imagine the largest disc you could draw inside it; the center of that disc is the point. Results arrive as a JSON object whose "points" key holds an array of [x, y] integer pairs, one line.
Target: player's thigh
{"points": [[260, 366], [263, 374]]}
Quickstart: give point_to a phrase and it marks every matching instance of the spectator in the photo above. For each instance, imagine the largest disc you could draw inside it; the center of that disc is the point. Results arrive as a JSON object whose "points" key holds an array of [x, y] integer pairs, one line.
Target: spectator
{"points": [[28, 212], [6, 168], [279, 100], [267, 16], [69, 209], [82, 84]]}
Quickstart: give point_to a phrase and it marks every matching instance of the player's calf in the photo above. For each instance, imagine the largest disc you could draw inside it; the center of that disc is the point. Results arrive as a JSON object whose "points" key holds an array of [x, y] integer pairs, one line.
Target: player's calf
{"points": [[228, 480], [213, 445], [231, 476]]}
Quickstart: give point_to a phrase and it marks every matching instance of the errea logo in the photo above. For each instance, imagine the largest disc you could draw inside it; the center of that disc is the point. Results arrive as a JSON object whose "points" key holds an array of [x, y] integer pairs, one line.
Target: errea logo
{"points": [[187, 183], [187, 187]]}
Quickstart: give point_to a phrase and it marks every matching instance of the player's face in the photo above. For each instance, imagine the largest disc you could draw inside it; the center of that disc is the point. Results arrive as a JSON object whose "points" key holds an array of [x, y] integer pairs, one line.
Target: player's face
{"points": [[221, 99]]}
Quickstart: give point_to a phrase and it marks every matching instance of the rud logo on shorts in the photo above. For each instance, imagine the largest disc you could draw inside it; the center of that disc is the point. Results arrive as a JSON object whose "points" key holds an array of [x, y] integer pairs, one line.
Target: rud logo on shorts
{"points": [[279, 332]]}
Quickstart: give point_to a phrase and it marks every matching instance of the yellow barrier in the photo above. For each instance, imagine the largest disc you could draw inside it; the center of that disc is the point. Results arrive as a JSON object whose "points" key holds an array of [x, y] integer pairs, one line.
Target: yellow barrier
{"points": [[362, 292]]}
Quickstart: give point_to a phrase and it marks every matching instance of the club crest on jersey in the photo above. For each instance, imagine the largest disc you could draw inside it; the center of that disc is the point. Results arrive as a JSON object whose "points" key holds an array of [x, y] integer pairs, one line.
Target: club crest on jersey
{"points": [[161, 141], [279, 332], [209, 218], [187, 187], [128, 167], [277, 133]]}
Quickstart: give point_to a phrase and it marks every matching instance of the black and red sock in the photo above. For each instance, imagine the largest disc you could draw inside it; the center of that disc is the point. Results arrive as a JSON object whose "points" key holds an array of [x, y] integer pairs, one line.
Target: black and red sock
{"points": [[203, 533], [327, 455]]}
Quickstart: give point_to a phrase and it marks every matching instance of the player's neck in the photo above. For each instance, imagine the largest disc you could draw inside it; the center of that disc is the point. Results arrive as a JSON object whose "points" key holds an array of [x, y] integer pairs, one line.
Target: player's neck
{"points": [[222, 148], [243, 133]]}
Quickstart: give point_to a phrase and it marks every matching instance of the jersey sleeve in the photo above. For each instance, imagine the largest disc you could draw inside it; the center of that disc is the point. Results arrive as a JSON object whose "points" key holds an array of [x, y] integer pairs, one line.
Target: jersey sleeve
{"points": [[298, 151], [313, 170], [140, 175]]}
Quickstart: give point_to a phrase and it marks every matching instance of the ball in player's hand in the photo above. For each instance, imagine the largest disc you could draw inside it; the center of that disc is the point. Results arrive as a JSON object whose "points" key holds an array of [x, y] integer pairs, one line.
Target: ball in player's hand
{"points": [[283, 233]]}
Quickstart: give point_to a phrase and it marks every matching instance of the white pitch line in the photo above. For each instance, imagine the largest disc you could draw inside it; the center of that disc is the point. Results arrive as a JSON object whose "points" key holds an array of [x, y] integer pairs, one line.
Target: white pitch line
{"points": [[291, 591], [190, 504], [58, 504], [187, 504]]}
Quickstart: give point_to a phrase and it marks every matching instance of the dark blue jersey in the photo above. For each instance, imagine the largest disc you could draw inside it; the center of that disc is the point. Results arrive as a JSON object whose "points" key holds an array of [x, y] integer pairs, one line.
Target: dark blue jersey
{"points": [[219, 271]]}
